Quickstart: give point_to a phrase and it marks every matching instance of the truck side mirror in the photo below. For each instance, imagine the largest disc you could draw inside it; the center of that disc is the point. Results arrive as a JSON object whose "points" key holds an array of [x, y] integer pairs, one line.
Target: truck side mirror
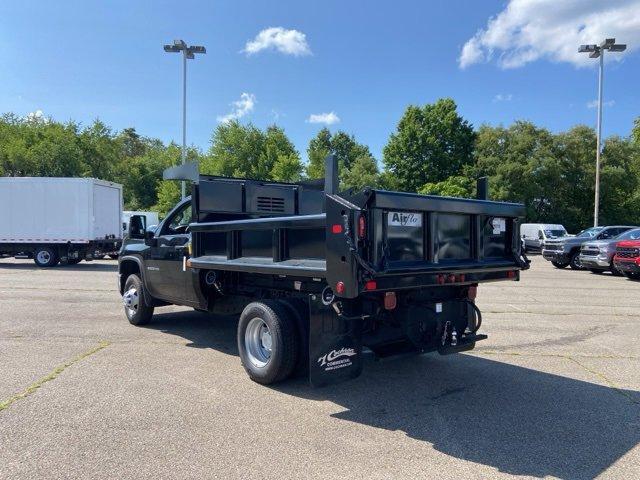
{"points": [[137, 226]]}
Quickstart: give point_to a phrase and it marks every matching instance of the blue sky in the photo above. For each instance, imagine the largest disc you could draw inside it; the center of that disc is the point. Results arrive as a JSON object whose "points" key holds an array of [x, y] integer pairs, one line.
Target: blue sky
{"points": [[361, 60]]}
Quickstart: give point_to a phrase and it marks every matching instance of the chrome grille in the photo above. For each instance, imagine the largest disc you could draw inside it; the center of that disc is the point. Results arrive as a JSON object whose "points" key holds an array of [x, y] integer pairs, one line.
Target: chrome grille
{"points": [[588, 250], [554, 247], [627, 252]]}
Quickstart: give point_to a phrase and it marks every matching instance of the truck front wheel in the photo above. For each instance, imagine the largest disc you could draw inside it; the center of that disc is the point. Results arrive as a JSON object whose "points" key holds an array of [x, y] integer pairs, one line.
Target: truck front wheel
{"points": [[575, 263], [45, 257], [135, 308], [267, 342]]}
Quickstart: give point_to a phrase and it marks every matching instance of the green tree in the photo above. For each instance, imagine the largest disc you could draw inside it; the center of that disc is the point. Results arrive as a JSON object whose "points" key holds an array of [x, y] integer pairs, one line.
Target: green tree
{"points": [[350, 154], [319, 148], [100, 151], [363, 173], [246, 151], [431, 143], [455, 186]]}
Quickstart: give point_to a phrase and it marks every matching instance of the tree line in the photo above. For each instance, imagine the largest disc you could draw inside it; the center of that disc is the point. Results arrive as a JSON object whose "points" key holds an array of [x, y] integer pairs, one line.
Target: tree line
{"points": [[433, 150]]}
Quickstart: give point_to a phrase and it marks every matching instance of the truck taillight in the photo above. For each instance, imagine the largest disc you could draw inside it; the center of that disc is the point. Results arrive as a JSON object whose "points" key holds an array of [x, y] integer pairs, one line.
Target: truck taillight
{"points": [[362, 226]]}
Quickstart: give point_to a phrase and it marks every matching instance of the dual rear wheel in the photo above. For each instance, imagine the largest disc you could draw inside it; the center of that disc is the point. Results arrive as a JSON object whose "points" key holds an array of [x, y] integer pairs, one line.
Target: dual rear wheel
{"points": [[268, 341]]}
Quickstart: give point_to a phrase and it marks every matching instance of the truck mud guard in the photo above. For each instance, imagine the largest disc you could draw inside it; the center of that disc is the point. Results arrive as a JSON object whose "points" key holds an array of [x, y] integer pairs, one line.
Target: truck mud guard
{"points": [[335, 344]]}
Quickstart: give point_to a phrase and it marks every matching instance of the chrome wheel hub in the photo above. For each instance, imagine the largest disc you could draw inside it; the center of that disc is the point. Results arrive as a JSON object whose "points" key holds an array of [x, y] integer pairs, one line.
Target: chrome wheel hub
{"points": [[258, 342], [131, 301], [43, 256]]}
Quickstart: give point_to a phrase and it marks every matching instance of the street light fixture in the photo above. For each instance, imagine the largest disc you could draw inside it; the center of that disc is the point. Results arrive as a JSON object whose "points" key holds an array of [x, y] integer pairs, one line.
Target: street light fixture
{"points": [[597, 51], [187, 53]]}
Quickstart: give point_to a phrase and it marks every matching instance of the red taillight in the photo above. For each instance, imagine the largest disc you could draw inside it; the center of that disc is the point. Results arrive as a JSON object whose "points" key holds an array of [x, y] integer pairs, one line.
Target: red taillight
{"points": [[340, 288], [336, 228], [370, 285], [511, 274], [390, 300], [362, 227]]}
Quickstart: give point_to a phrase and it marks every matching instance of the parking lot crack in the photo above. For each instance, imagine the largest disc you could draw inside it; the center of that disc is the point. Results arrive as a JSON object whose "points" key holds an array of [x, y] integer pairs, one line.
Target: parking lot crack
{"points": [[51, 376], [604, 378]]}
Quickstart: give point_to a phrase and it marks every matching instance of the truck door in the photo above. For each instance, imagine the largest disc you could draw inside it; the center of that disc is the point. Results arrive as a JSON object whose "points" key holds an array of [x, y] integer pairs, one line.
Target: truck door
{"points": [[165, 276]]}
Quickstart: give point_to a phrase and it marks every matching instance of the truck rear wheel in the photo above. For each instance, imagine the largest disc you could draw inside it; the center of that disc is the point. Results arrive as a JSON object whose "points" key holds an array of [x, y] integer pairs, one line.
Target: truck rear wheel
{"points": [[267, 342], [45, 257], [135, 308]]}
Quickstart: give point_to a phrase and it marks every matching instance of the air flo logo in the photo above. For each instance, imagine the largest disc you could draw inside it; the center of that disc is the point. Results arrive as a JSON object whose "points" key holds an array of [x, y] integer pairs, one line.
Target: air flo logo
{"points": [[404, 219], [337, 359]]}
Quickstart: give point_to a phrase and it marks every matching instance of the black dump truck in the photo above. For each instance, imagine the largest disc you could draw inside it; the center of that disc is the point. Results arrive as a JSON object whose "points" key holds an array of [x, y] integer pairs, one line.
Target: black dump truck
{"points": [[321, 277]]}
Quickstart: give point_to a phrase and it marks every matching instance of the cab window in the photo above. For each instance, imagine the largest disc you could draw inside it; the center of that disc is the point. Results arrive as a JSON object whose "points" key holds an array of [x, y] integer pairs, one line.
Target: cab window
{"points": [[177, 224]]}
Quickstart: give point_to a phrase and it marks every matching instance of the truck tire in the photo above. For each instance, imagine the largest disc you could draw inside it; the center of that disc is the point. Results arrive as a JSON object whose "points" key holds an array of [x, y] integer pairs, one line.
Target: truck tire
{"points": [[267, 342], [559, 265], [299, 311], [135, 308], [45, 257], [574, 263], [614, 270]]}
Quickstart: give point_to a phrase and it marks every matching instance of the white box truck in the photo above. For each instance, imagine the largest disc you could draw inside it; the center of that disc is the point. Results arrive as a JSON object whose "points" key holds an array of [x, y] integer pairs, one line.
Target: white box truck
{"points": [[56, 220]]}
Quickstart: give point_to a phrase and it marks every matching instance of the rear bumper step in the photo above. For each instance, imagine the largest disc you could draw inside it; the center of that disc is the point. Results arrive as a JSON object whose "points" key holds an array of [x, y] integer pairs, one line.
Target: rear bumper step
{"points": [[464, 344]]}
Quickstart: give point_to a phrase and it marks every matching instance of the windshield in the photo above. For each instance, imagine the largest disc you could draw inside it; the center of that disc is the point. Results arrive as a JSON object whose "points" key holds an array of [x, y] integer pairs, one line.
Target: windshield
{"points": [[630, 235], [589, 232], [555, 233]]}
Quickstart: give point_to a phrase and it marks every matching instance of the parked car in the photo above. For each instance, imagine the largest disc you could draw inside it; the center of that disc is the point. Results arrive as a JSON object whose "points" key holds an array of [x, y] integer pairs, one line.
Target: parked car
{"points": [[627, 258], [597, 255], [565, 251], [534, 235]]}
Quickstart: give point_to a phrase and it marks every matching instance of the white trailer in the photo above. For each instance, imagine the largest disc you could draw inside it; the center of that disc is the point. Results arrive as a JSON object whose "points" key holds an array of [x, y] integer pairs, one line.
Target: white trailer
{"points": [[59, 219]]}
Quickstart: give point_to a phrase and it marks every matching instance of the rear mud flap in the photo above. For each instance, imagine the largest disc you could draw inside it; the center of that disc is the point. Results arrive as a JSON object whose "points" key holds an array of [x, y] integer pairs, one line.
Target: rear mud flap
{"points": [[335, 345]]}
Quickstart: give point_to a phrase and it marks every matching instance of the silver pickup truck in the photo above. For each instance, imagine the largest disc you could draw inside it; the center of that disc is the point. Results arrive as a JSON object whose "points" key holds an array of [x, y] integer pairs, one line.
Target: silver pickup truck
{"points": [[597, 255], [565, 252]]}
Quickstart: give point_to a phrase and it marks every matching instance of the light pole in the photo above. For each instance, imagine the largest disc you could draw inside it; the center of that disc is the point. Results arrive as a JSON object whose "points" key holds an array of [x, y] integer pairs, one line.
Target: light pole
{"points": [[187, 53], [597, 51]]}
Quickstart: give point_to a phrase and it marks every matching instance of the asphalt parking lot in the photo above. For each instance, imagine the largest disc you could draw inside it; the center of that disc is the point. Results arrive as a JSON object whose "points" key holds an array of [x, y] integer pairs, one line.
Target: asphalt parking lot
{"points": [[554, 392]]}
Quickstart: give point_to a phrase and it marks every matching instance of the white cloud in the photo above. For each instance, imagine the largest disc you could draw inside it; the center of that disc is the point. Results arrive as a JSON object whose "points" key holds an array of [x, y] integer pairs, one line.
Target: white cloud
{"points": [[594, 103], [240, 108], [326, 118], [528, 30], [37, 116], [289, 42], [503, 97]]}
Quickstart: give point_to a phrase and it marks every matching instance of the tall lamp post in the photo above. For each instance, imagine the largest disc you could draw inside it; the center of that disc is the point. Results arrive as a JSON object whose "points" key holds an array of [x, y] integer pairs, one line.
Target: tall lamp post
{"points": [[597, 51], [187, 53]]}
